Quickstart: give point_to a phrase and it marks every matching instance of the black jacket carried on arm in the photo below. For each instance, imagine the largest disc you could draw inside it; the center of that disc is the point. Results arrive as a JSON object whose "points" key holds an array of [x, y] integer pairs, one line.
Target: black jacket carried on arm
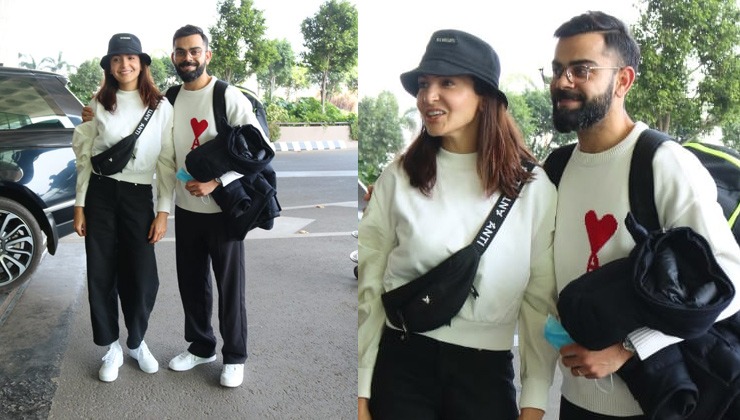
{"points": [[671, 282], [251, 201]]}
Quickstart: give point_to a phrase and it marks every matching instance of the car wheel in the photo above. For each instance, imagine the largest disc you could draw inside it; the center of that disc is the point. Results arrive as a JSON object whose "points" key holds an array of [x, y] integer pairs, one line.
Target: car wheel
{"points": [[21, 244]]}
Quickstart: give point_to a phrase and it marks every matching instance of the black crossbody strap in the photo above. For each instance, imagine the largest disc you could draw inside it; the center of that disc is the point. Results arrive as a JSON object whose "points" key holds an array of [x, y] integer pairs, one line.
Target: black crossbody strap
{"points": [[496, 217], [142, 124]]}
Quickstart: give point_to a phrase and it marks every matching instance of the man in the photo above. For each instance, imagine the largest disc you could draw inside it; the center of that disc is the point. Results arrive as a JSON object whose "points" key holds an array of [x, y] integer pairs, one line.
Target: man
{"points": [[202, 238], [594, 67]]}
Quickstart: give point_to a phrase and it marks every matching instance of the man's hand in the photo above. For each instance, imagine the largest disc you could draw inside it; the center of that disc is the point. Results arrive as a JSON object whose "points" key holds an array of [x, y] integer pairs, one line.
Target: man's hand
{"points": [[594, 364], [201, 189], [87, 114]]}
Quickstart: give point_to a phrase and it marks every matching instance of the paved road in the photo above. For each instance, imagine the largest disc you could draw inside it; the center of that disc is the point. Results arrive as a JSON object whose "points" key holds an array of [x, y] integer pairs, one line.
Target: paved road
{"points": [[302, 312]]}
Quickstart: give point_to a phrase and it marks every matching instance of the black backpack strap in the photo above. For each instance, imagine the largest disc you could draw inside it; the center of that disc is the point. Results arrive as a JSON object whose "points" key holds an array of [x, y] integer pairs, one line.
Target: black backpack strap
{"points": [[219, 104], [171, 94], [641, 184], [557, 160]]}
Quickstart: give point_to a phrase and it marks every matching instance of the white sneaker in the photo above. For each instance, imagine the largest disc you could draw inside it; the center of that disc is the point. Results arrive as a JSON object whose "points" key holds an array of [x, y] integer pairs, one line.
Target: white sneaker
{"points": [[112, 360], [187, 361], [232, 375], [147, 362]]}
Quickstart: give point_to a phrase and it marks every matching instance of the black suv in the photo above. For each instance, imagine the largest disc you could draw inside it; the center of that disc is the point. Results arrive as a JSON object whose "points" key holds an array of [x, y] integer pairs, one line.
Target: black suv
{"points": [[38, 115]]}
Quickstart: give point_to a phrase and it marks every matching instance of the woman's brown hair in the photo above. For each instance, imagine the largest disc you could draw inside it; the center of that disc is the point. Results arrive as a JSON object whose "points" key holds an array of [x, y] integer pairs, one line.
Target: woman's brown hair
{"points": [[150, 95], [501, 150]]}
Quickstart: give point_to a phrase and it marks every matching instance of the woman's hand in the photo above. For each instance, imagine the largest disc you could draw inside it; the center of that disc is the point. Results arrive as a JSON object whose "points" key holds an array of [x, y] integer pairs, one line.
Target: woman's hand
{"points": [[529, 413], [79, 221], [363, 409], [87, 114], [158, 228]]}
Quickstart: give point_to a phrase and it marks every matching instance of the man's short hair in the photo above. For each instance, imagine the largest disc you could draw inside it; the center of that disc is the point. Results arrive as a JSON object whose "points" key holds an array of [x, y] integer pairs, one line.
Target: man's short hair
{"points": [[188, 30], [616, 34]]}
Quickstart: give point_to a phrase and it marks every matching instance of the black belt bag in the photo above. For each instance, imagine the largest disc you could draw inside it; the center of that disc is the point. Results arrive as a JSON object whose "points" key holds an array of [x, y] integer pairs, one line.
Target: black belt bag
{"points": [[432, 300], [115, 158]]}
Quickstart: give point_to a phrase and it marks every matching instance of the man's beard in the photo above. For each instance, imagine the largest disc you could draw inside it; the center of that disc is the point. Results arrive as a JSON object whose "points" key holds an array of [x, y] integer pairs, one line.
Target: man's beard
{"points": [[189, 76], [591, 112]]}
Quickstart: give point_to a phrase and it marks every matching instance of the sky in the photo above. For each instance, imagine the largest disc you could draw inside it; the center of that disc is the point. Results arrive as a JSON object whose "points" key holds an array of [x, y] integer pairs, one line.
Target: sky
{"points": [[394, 34], [80, 29]]}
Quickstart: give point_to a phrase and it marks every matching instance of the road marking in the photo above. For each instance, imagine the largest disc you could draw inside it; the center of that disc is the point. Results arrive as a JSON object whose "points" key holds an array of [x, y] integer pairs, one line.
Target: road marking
{"points": [[285, 227], [296, 146], [313, 206], [309, 174]]}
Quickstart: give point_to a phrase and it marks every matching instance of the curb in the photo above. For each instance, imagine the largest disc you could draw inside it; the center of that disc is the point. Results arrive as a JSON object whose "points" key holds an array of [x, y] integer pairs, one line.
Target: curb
{"points": [[297, 146], [8, 301]]}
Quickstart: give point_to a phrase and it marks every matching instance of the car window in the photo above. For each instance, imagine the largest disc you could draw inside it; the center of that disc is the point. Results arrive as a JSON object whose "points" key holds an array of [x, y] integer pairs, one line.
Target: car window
{"points": [[22, 106]]}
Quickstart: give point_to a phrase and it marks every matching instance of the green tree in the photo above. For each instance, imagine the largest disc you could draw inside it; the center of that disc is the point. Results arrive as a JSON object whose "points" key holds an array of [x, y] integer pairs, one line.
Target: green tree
{"points": [[298, 80], [689, 76], [163, 73], [278, 71], [523, 115], [237, 41], [86, 80], [330, 38], [380, 134], [731, 135], [275, 115]]}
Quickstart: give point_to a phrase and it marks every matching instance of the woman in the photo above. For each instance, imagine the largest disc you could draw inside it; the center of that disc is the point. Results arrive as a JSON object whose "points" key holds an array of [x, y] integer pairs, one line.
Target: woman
{"points": [[430, 203], [114, 212]]}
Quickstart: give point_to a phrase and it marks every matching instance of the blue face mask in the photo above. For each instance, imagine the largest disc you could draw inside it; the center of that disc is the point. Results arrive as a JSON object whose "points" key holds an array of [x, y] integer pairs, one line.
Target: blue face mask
{"points": [[183, 175], [555, 333]]}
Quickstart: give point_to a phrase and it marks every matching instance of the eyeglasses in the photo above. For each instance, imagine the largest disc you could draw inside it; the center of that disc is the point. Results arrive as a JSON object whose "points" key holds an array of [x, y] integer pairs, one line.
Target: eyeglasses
{"points": [[575, 73], [194, 52]]}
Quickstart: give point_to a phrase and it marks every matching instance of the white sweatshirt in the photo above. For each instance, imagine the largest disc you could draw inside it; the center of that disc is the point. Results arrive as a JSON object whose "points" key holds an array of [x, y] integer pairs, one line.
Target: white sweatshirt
{"points": [[685, 195], [404, 234], [154, 148], [195, 124]]}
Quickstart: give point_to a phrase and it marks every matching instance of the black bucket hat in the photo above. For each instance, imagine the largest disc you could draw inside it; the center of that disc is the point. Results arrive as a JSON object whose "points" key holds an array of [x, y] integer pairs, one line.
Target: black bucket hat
{"points": [[451, 52], [124, 44]]}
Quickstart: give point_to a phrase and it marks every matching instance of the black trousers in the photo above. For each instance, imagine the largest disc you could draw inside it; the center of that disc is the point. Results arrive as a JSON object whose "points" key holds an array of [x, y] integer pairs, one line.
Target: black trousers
{"points": [[570, 411], [420, 378], [120, 259], [202, 242]]}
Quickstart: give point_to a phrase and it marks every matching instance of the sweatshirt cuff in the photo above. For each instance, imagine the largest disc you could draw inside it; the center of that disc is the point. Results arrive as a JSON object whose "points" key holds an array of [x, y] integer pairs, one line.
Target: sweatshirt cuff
{"points": [[648, 342], [364, 379], [535, 394], [229, 177]]}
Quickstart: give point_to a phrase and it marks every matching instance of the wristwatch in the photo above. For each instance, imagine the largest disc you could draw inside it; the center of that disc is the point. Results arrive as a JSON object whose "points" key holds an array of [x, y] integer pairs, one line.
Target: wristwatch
{"points": [[627, 344]]}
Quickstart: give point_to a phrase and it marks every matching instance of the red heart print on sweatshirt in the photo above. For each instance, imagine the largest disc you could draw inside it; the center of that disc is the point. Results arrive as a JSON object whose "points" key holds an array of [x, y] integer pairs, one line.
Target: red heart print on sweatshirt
{"points": [[199, 127], [599, 232]]}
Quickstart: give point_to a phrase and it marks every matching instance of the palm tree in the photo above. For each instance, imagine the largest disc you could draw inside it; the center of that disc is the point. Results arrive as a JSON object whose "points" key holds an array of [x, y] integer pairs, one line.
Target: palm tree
{"points": [[56, 66], [27, 64]]}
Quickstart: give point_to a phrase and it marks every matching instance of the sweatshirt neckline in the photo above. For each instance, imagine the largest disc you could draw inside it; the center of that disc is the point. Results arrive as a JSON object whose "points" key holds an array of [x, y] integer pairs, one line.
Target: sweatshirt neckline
{"points": [[623, 147], [457, 160]]}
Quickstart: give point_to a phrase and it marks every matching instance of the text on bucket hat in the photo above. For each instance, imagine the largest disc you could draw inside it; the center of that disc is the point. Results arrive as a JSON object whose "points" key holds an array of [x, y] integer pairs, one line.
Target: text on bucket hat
{"points": [[124, 44], [451, 52]]}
